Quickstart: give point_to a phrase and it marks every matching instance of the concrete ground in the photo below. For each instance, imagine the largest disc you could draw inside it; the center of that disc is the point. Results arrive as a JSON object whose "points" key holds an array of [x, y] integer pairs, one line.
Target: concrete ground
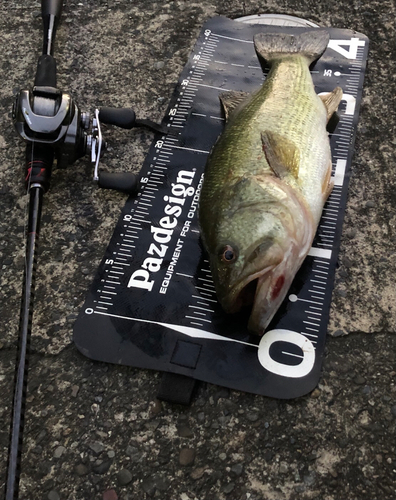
{"points": [[95, 431]]}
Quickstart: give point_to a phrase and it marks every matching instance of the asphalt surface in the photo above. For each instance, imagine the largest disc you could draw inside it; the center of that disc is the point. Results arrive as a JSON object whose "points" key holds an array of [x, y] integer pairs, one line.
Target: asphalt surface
{"points": [[97, 431]]}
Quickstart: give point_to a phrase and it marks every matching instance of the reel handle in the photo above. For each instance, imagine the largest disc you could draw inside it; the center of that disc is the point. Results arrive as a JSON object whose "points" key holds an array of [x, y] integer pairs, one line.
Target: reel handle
{"points": [[126, 182], [126, 118], [120, 117]]}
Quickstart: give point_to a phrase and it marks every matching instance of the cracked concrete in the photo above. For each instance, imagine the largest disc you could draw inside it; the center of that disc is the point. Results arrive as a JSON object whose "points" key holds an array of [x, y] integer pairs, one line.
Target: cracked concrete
{"points": [[87, 423]]}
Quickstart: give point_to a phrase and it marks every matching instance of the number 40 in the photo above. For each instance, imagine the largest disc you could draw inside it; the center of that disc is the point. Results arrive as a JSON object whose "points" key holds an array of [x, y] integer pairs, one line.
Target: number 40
{"points": [[352, 47]]}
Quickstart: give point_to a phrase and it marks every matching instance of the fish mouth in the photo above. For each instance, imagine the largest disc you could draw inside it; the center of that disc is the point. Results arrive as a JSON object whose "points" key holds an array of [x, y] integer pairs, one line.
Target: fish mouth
{"points": [[270, 292], [261, 294], [249, 291]]}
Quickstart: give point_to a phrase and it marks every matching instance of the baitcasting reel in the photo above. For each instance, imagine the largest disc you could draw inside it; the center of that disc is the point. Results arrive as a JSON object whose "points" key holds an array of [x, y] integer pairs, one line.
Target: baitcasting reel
{"points": [[48, 116]]}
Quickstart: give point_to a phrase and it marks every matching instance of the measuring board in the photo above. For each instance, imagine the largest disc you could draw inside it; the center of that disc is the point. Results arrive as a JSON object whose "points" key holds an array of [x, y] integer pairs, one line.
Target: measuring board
{"points": [[152, 303]]}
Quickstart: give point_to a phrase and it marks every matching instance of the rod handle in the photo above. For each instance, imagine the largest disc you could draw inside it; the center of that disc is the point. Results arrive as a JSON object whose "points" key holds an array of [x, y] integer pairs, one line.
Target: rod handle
{"points": [[46, 72]]}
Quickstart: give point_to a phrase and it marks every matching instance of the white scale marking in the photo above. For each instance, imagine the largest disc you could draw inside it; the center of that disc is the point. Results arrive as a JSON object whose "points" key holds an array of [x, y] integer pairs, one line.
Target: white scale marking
{"points": [[310, 335], [231, 38], [212, 87], [205, 291], [208, 280], [319, 252], [201, 308], [199, 297], [201, 319], [311, 312]]}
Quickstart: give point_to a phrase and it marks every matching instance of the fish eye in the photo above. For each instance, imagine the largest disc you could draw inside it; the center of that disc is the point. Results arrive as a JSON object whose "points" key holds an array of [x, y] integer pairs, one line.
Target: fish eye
{"points": [[228, 254]]}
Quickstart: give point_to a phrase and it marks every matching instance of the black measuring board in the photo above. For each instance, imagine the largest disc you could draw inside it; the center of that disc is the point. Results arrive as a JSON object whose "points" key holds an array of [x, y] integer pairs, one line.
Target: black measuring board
{"points": [[152, 303]]}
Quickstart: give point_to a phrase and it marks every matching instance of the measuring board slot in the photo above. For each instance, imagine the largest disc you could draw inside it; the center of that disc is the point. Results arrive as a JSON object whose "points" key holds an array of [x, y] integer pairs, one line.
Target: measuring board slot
{"points": [[153, 294]]}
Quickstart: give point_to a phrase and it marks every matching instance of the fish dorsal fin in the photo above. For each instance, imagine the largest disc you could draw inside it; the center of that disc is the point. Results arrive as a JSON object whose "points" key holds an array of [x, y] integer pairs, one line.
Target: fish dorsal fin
{"points": [[231, 100], [331, 100], [282, 155]]}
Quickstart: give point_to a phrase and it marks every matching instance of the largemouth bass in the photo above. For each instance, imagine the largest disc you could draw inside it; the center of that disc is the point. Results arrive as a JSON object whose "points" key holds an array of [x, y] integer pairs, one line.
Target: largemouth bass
{"points": [[267, 178]]}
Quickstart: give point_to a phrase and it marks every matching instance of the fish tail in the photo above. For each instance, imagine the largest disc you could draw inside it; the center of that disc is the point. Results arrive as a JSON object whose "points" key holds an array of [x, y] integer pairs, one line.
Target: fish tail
{"points": [[311, 44]]}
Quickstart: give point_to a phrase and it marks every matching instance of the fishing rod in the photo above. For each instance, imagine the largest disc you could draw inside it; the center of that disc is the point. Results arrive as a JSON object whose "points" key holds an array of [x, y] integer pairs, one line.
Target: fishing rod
{"points": [[56, 132]]}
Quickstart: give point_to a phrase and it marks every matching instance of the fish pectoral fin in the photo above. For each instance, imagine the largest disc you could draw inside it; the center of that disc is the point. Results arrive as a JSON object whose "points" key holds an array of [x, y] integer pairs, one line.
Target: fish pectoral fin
{"points": [[231, 100], [281, 154], [328, 183], [331, 100]]}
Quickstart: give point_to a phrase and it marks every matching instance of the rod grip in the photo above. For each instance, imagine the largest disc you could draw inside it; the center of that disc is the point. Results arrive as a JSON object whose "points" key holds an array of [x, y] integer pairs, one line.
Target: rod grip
{"points": [[121, 117], [39, 161], [46, 72]]}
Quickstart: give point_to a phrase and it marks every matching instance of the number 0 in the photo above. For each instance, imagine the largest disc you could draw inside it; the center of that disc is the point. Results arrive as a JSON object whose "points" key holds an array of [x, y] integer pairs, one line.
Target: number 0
{"points": [[291, 371]]}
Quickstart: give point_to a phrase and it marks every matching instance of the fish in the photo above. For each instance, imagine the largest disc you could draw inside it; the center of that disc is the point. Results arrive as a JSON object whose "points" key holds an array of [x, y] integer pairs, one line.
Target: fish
{"points": [[267, 178]]}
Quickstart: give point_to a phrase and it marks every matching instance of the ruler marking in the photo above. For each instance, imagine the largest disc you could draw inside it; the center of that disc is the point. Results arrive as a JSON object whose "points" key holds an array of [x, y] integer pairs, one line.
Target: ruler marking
{"points": [[206, 291], [191, 149], [310, 335], [201, 308], [201, 319], [234, 39], [311, 312], [213, 87], [310, 323], [199, 297]]}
